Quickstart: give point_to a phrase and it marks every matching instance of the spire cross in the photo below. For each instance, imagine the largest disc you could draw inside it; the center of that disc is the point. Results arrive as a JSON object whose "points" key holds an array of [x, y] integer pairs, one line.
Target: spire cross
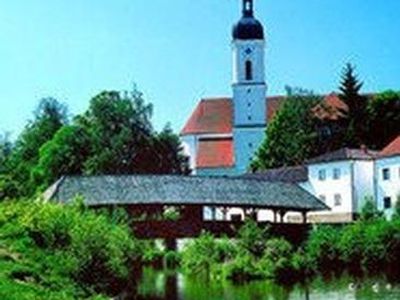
{"points": [[248, 8]]}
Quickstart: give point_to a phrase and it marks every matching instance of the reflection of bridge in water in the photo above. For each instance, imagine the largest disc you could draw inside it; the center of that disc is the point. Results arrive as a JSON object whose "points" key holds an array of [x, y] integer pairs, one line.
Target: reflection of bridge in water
{"points": [[148, 198]]}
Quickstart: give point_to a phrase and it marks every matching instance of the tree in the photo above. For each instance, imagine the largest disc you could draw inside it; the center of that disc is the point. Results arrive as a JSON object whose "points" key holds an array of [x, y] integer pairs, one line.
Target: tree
{"points": [[5, 151], [291, 136], [119, 129], [167, 154], [65, 154], [49, 117], [384, 119], [355, 114]]}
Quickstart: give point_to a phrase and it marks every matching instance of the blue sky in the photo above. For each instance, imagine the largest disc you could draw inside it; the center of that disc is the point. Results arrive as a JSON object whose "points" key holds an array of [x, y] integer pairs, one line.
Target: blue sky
{"points": [[179, 51]]}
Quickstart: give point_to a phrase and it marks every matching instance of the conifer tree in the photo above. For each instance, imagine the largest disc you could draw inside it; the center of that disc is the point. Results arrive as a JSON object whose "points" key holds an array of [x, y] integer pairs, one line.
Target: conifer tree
{"points": [[355, 115]]}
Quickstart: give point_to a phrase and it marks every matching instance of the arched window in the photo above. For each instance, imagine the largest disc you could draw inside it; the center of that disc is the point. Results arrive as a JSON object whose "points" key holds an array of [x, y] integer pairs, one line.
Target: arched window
{"points": [[249, 70]]}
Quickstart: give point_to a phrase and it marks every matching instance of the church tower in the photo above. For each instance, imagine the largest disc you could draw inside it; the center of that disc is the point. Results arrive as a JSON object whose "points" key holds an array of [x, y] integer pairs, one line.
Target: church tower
{"points": [[249, 87]]}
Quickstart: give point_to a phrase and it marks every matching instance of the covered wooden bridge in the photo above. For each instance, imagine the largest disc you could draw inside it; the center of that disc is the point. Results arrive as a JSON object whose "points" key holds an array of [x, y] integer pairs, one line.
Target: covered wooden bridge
{"points": [[172, 207]]}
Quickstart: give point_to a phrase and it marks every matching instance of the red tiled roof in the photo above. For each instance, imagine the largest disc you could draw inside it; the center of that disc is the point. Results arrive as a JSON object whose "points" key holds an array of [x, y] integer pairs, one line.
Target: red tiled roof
{"points": [[210, 116], [331, 109], [215, 115], [216, 153], [393, 148]]}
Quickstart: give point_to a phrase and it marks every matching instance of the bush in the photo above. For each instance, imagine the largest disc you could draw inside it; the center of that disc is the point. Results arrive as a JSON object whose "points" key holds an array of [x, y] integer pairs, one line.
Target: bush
{"points": [[172, 260], [199, 256], [63, 246], [276, 262], [251, 238], [322, 249]]}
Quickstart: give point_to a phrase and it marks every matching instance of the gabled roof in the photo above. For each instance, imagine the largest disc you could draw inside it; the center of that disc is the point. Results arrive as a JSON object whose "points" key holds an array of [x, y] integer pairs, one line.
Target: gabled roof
{"points": [[210, 116], [214, 115], [344, 154], [392, 149], [215, 153], [294, 174], [183, 190]]}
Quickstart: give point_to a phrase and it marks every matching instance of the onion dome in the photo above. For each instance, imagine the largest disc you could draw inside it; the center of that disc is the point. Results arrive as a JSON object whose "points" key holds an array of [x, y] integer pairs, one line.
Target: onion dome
{"points": [[248, 27]]}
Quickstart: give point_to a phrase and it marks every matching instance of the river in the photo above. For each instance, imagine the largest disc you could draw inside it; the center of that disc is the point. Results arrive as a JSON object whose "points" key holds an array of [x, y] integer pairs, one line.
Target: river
{"points": [[164, 285]]}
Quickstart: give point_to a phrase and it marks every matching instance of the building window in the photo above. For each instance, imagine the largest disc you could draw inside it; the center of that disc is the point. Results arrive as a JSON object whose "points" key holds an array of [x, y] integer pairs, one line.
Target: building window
{"points": [[338, 199], [322, 198], [387, 202], [249, 70], [336, 173], [251, 145], [321, 175], [249, 118], [386, 174]]}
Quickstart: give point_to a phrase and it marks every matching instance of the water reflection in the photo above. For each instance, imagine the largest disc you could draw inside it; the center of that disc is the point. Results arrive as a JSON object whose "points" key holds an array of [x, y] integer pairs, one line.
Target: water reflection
{"points": [[162, 285]]}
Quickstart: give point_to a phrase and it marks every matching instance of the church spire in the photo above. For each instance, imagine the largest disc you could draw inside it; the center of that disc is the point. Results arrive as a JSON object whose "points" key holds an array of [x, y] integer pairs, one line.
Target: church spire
{"points": [[247, 8]]}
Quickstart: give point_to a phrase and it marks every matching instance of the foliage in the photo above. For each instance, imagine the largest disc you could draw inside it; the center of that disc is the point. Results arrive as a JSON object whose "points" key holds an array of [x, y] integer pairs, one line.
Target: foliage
{"points": [[119, 128], [58, 250], [369, 212], [322, 248], [251, 238], [172, 259], [64, 154], [291, 135], [49, 117], [396, 213], [355, 114], [384, 119], [199, 256]]}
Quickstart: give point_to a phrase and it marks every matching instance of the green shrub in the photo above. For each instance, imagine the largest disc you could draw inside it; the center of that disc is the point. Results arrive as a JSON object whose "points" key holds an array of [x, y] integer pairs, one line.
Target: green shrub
{"points": [[67, 246], [172, 260], [276, 262], [199, 255], [251, 238], [322, 248], [242, 268]]}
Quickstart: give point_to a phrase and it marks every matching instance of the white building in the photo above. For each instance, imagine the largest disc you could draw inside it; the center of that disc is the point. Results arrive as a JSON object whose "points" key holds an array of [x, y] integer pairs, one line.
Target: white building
{"points": [[387, 177], [343, 179]]}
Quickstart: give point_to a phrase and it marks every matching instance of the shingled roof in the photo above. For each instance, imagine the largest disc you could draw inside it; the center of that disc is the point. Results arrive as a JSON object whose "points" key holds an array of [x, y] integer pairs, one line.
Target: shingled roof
{"points": [[294, 174], [183, 190], [345, 154]]}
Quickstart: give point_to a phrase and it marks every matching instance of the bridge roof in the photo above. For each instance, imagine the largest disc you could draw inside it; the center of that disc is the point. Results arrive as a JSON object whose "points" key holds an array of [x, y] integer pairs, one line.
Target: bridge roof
{"points": [[183, 190]]}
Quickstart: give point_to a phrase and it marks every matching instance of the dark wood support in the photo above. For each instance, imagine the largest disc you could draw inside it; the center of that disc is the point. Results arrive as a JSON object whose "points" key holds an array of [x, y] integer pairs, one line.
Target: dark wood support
{"points": [[171, 244], [304, 215]]}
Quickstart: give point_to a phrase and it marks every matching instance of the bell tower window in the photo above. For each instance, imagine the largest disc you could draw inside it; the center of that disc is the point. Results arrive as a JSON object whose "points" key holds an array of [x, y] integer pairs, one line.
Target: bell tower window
{"points": [[249, 70]]}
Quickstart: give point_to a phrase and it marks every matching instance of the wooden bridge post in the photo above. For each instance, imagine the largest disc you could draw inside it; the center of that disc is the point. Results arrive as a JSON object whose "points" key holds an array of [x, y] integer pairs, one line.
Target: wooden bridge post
{"points": [[171, 244], [304, 214]]}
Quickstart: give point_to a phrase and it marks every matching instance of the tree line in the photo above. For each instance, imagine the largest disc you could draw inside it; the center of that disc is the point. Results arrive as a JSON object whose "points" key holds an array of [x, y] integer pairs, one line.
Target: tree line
{"points": [[298, 133], [114, 135]]}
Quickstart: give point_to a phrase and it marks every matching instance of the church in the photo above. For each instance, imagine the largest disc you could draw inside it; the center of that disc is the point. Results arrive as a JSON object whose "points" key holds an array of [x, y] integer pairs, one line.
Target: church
{"points": [[223, 134]]}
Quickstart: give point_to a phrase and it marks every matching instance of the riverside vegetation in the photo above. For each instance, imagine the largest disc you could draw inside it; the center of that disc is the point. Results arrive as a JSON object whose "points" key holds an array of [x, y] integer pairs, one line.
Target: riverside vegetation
{"points": [[53, 251], [369, 246]]}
